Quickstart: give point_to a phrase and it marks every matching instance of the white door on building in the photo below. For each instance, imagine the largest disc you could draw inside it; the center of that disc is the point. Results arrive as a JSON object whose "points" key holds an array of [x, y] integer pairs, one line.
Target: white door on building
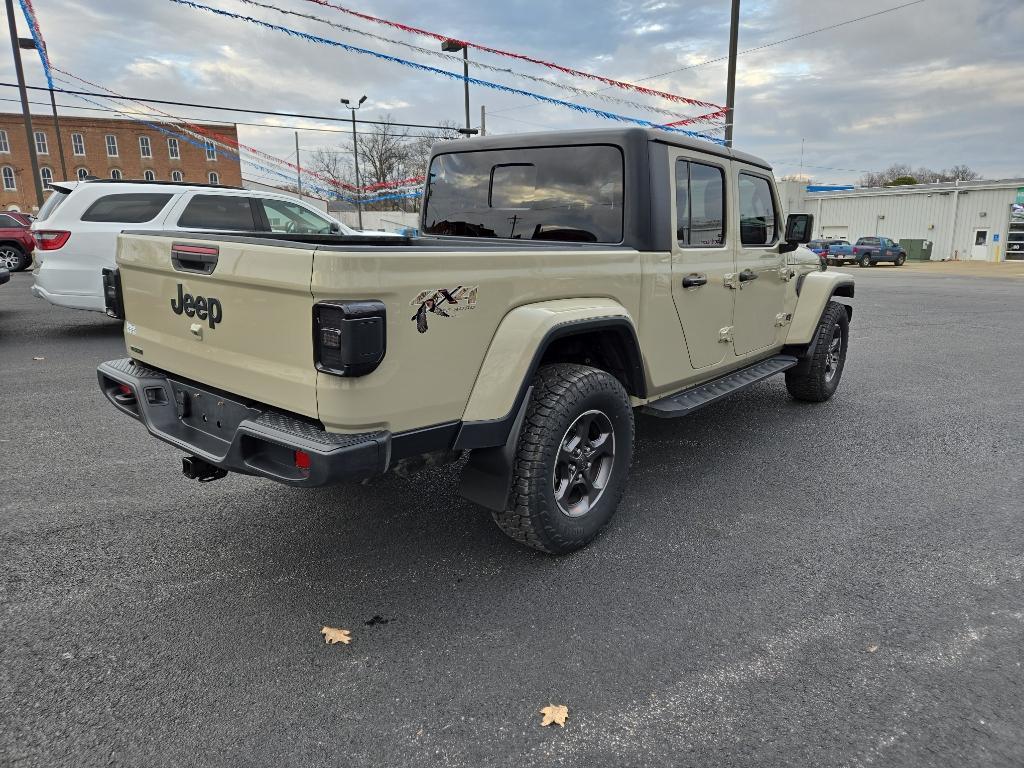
{"points": [[979, 251], [835, 233]]}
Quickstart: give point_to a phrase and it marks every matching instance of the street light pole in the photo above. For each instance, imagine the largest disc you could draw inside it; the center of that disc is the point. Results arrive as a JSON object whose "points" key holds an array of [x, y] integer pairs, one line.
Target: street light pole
{"points": [[451, 46], [29, 132], [60, 139], [730, 87], [28, 44], [355, 156]]}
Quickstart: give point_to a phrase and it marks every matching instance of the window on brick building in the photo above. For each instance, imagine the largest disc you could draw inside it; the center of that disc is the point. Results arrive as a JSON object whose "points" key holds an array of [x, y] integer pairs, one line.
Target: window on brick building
{"points": [[9, 180], [116, 175], [177, 176], [149, 176], [82, 173], [145, 148], [78, 144], [42, 148], [111, 145], [5, 145], [45, 176], [173, 150], [211, 151], [214, 177]]}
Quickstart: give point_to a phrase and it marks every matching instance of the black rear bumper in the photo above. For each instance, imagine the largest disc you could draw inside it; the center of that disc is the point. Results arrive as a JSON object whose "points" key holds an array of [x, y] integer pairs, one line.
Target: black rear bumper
{"points": [[239, 436]]}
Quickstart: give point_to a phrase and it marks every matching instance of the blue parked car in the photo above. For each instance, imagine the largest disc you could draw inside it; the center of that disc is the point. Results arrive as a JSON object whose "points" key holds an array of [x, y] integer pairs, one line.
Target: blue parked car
{"points": [[839, 252]]}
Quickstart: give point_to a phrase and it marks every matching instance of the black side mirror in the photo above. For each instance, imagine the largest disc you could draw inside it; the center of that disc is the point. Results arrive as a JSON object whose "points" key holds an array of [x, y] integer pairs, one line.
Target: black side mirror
{"points": [[335, 228], [798, 230]]}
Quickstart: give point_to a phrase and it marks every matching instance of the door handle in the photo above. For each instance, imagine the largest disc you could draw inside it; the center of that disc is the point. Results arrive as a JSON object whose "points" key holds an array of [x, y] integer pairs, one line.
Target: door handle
{"points": [[747, 275], [695, 280]]}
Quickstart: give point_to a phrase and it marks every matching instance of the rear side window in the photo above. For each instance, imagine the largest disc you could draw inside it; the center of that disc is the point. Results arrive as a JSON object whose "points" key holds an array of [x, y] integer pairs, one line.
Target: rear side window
{"points": [[758, 217], [219, 212], [572, 194], [9, 221], [700, 205], [126, 208], [52, 204]]}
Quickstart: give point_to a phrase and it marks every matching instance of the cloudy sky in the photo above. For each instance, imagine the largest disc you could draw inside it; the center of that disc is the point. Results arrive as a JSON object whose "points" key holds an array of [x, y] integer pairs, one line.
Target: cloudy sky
{"points": [[938, 83]]}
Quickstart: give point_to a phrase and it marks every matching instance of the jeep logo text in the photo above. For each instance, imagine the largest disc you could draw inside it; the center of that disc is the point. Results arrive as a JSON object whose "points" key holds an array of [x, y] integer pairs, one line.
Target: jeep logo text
{"points": [[197, 306]]}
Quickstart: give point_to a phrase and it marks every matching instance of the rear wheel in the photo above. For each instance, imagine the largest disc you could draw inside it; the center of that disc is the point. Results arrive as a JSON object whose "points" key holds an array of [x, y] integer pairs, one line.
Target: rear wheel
{"points": [[815, 379], [13, 258], [865, 260], [572, 459]]}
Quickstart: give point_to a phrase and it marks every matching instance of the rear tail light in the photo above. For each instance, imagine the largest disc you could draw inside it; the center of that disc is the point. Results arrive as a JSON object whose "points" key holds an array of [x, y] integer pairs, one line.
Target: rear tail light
{"points": [[349, 337], [51, 239]]}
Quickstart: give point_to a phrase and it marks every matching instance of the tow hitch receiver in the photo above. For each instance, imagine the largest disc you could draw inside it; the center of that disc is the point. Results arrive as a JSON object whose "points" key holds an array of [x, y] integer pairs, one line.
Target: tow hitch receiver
{"points": [[196, 469]]}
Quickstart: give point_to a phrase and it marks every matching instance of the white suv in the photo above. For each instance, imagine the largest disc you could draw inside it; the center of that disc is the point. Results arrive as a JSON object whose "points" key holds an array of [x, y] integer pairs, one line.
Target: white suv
{"points": [[77, 228]]}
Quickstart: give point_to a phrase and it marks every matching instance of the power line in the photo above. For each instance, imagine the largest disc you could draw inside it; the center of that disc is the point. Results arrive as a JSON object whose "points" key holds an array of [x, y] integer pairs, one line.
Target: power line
{"points": [[756, 48], [788, 39], [225, 123], [275, 113]]}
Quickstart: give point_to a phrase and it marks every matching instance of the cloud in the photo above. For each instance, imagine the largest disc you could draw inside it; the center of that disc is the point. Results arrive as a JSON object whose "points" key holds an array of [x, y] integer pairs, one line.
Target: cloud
{"points": [[920, 86]]}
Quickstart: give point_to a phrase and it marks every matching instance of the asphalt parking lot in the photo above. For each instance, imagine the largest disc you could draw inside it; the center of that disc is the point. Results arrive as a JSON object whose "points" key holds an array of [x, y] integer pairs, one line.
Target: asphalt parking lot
{"points": [[838, 584]]}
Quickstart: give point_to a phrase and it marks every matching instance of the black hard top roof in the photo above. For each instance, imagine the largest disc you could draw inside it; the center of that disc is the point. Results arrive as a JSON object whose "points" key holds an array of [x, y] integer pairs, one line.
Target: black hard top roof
{"points": [[618, 136]]}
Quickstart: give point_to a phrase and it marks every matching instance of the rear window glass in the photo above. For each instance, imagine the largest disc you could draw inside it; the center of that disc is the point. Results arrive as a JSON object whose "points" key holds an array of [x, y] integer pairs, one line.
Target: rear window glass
{"points": [[9, 221], [219, 212], [51, 204], [547, 193], [127, 208]]}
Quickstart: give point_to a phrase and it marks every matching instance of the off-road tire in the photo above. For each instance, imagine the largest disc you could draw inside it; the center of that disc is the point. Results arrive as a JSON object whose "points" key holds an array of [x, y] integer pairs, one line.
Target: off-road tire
{"points": [[562, 393], [816, 379], [14, 258], [865, 260], [899, 260]]}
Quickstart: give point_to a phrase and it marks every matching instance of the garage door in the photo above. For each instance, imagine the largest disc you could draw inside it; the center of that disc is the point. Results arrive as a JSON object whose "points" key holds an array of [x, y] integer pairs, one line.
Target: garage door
{"points": [[835, 233]]}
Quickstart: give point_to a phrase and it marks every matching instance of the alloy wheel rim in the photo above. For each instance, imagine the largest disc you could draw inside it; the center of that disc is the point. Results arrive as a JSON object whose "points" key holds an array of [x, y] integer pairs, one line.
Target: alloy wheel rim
{"points": [[583, 467], [835, 348], [9, 258]]}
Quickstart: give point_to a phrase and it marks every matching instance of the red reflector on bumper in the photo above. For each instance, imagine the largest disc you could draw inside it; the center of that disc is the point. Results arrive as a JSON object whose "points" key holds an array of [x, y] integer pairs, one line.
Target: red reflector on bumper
{"points": [[125, 389], [302, 460]]}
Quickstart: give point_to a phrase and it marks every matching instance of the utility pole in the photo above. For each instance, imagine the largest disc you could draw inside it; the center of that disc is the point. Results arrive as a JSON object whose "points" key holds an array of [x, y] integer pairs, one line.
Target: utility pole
{"points": [[730, 87], [29, 132], [355, 156], [483, 120], [298, 164], [451, 46]]}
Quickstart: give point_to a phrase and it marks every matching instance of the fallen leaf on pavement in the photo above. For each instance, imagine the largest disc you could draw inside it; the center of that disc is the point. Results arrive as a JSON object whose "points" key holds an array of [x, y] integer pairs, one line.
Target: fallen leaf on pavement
{"points": [[872, 648], [38, 358], [332, 635], [554, 713]]}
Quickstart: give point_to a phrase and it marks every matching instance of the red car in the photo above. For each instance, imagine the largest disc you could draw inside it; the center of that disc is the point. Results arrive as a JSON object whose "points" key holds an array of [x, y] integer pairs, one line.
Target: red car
{"points": [[16, 243]]}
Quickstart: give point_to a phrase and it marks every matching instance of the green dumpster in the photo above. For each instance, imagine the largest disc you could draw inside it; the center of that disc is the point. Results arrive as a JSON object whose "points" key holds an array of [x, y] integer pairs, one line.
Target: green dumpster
{"points": [[917, 250]]}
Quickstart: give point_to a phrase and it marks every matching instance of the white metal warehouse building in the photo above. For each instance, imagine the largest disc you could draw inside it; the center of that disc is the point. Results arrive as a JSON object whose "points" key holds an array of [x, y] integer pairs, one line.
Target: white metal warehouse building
{"points": [[972, 220]]}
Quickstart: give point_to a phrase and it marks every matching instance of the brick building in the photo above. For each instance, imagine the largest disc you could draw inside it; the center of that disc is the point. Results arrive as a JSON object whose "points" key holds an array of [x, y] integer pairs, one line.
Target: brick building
{"points": [[107, 148]]}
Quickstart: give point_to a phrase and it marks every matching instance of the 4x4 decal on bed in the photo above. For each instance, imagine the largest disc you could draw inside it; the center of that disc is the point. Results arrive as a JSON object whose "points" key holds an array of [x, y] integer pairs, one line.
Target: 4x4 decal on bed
{"points": [[442, 301]]}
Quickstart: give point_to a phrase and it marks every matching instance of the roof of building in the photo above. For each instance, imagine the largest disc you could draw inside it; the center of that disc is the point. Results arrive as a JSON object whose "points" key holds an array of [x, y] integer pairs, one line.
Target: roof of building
{"points": [[939, 186]]}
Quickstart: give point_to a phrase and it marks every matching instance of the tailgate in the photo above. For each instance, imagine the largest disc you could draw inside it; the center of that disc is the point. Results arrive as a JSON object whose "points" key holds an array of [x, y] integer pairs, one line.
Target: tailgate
{"points": [[232, 315]]}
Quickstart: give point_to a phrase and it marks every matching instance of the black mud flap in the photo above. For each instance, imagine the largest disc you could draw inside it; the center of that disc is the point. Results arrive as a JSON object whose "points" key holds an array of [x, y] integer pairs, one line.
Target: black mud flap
{"points": [[487, 476]]}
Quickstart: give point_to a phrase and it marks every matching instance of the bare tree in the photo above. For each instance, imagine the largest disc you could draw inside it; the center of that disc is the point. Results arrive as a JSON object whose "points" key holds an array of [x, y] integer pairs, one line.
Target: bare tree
{"points": [[900, 173], [387, 154]]}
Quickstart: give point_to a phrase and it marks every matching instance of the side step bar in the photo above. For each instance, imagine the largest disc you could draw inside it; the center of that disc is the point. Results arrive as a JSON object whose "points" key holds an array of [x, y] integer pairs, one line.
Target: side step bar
{"points": [[689, 400]]}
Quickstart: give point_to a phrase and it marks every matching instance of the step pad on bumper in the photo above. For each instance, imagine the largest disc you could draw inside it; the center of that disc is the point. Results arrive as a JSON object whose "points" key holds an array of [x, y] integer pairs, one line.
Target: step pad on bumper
{"points": [[241, 436]]}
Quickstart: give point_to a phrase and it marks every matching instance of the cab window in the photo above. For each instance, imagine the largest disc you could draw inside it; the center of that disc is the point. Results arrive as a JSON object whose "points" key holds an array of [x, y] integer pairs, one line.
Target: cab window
{"points": [[700, 205], [758, 217], [290, 217], [230, 212]]}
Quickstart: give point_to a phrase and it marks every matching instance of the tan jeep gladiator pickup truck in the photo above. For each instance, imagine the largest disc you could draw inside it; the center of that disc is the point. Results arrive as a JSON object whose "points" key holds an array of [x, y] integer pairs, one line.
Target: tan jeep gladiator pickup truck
{"points": [[561, 280]]}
